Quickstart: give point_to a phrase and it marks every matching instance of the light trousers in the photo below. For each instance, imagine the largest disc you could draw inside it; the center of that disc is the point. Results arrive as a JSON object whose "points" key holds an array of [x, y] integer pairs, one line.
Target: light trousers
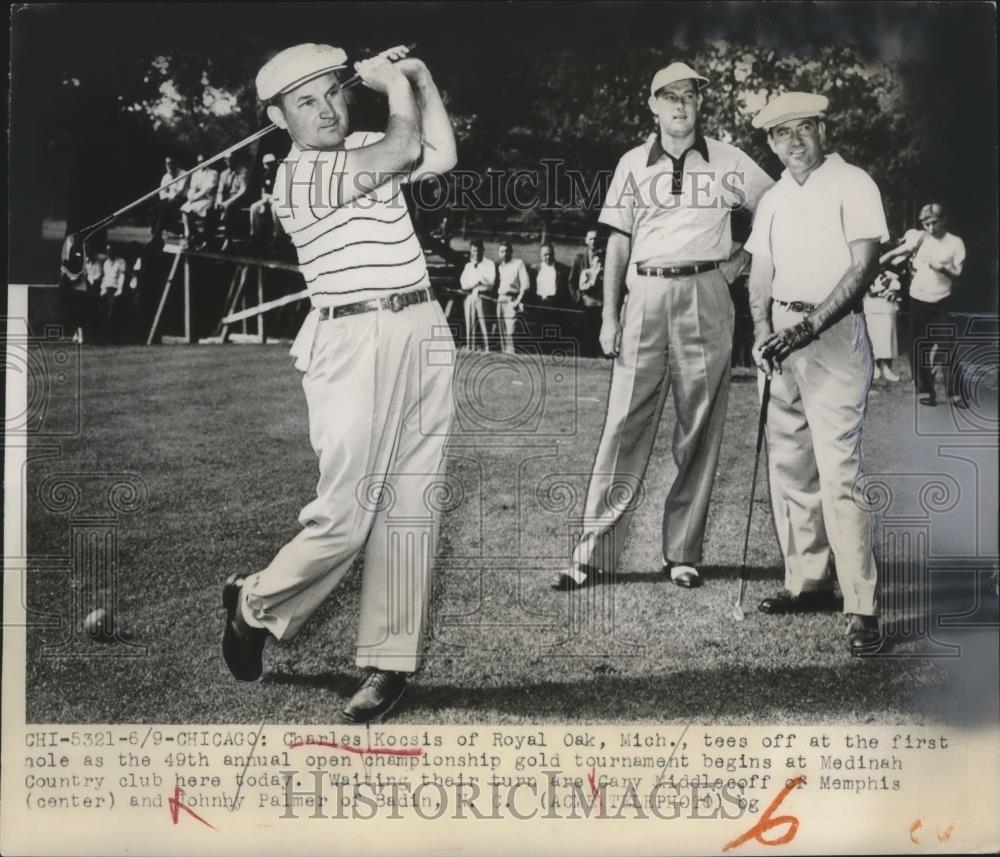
{"points": [[677, 336], [378, 388], [814, 422], [506, 320]]}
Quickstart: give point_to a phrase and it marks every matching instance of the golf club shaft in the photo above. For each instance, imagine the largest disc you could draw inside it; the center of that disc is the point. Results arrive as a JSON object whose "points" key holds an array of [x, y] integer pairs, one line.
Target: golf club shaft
{"points": [[761, 422], [351, 82]]}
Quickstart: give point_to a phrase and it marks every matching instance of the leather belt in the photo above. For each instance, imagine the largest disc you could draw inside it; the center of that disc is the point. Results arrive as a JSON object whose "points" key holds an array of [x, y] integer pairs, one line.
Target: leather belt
{"points": [[395, 302], [677, 270], [803, 306], [796, 306]]}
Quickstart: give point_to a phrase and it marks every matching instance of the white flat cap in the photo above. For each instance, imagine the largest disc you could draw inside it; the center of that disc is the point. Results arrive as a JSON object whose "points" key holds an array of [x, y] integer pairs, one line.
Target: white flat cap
{"points": [[788, 106], [671, 74], [270, 157], [295, 66]]}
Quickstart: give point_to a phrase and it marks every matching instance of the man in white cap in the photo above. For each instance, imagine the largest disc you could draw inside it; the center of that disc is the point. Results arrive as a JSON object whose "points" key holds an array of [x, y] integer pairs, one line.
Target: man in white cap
{"points": [[815, 245], [937, 258], [668, 208], [378, 363]]}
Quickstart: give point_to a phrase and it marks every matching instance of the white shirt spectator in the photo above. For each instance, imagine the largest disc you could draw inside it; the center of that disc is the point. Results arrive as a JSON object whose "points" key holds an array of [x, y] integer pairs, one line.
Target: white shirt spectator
{"points": [[806, 229], [478, 275], [545, 282], [113, 279], [513, 280], [948, 251], [169, 188], [201, 191]]}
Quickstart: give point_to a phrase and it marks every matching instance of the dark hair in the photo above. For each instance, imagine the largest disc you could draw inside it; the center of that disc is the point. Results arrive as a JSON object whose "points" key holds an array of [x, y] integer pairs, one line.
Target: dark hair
{"points": [[477, 244], [548, 244], [506, 243]]}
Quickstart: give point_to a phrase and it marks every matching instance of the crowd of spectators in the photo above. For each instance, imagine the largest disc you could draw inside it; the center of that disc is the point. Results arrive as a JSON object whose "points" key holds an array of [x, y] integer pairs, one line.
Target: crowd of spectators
{"points": [[506, 300], [101, 294], [214, 206]]}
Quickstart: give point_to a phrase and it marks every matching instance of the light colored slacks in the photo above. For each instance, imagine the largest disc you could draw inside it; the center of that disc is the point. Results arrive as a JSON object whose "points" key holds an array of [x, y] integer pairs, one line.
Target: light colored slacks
{"points": [[475, 317], [506, 319], [814, 422], [378, 388], [677, 335]]}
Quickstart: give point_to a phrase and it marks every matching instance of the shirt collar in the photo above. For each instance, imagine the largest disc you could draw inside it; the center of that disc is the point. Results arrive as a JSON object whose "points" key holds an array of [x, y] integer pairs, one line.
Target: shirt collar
{"points": [[656, 151], [831, 159]]}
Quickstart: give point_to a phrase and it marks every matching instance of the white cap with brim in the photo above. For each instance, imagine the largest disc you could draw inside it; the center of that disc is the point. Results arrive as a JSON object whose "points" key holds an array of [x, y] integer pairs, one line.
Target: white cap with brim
{"points": [[671, 74], [297, 65], [789, 106]]}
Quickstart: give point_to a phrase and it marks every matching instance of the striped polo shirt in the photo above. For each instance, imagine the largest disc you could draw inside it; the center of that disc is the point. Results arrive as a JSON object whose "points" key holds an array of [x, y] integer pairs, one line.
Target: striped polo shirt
{"points": [[352, 251]]}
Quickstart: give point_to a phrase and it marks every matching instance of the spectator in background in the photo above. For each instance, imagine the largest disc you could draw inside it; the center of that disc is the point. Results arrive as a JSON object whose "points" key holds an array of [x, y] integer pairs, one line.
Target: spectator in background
{"points": [[113, 273], [512, 285], [881, 305], [131, 312], [165, 212], [586, 288], [549, 291], [477, 278], [937, 258], [261, 217], [229, 193], [77, 302], [200, 199], [549, 279]]}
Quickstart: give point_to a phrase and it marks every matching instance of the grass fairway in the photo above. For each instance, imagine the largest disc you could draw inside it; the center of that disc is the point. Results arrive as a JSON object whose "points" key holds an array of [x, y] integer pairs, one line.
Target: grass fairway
{"points": [[218, 438]]}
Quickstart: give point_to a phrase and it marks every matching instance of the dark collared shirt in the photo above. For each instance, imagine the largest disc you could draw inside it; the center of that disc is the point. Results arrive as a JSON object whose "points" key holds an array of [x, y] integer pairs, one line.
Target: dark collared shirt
{"points": [[656, 152]]}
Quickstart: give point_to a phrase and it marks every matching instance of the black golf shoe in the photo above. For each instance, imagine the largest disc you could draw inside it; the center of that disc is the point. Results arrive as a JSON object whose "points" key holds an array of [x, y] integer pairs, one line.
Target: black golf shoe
{"points": [[375, 697], [242, 644], [863, 635]]}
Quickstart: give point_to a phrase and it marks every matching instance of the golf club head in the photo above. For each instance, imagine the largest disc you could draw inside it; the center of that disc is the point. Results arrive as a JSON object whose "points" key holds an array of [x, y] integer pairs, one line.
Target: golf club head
{"points": [[737, 613]]}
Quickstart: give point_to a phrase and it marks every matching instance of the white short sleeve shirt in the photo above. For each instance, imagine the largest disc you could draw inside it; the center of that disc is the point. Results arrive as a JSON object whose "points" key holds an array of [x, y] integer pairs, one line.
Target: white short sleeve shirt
{"points": [[928, 284], [806, 229]]}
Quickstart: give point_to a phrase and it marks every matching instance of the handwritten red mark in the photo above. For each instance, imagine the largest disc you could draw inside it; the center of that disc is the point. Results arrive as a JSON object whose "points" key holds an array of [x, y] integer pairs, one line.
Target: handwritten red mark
{"points": [[766, 823], [594, 790], [361, 751], [176, 806], [941, 837], [944, 837]]}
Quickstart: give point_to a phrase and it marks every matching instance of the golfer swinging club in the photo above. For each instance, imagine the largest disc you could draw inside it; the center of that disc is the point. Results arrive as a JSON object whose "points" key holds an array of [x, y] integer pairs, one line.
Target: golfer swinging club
{"points": [[377, 381]]}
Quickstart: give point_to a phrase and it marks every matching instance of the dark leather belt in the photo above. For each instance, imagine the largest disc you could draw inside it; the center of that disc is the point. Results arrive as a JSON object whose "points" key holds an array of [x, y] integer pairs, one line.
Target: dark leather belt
{"points": [[395, 302], [677, 270], [796, 306], [802, 306]]}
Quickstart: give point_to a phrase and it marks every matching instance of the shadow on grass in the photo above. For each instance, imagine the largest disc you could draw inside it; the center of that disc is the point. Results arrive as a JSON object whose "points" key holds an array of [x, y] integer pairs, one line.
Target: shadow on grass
{"points": [[718, 694], [707, 572], [343, 684]]}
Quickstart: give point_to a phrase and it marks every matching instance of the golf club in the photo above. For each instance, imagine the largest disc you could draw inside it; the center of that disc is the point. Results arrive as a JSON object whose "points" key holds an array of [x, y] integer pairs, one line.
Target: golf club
{"points": [[765, 397], [350, 83]]}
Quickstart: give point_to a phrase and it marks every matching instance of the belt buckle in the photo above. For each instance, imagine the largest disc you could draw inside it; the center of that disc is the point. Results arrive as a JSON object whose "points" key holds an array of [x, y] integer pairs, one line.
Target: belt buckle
{"points": [[396, 302]]}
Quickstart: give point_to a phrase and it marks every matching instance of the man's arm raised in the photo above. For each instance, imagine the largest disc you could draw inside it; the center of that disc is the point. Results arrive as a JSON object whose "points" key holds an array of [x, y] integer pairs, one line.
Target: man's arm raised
{"points": [[370, 166]]}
